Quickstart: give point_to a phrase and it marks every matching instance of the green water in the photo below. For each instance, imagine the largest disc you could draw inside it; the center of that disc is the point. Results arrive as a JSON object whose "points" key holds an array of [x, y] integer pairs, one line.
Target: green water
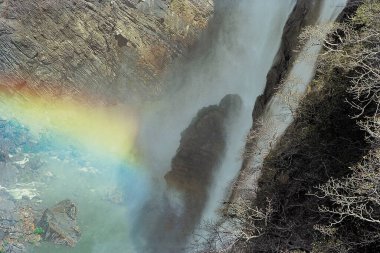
{"points": [[105, 189], [103, 224]]}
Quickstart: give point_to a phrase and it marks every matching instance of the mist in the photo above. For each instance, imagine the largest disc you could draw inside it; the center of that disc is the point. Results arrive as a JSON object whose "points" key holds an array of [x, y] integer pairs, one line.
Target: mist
{"points": [[123, 200], [233, 60]]}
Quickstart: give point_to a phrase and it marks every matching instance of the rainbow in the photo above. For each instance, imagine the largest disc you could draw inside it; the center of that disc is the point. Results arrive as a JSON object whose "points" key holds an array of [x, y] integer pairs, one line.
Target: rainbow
{"points": [[105, 130], [79, 134]]}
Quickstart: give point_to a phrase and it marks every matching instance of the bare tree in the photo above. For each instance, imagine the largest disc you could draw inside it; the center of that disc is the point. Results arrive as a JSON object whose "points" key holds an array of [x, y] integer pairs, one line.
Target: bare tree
{"points": [[241, 223], [354, 48], [357, 195]]}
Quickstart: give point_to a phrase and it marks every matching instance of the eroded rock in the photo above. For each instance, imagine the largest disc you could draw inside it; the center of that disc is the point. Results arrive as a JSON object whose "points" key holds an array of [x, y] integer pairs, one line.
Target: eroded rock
{"points": [[305, 13], [178, 210], [59, 224], [201, 148], [65, 46]]}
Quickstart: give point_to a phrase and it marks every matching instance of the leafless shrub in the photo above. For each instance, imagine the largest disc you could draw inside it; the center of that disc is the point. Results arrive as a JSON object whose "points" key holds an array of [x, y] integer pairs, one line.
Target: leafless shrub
{"points": [[354, 50], [241, 223], [290, 94], [357, 195], [261, 132]]}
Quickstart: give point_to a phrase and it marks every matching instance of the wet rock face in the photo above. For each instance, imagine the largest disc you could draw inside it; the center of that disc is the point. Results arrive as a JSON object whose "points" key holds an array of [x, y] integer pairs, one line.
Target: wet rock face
{"points": [[59, 224], [74, 44], [201, 147], [305, 13]]}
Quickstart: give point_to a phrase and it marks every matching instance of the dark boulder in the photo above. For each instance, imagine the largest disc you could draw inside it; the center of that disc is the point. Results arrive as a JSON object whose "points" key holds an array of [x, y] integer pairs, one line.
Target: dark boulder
{"points": [[59, 224], [202, 146]]}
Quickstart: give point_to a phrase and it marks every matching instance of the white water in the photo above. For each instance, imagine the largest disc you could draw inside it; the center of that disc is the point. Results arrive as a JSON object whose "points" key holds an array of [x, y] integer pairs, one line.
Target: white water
{"points": [[236, 63], [266, 45], [278, 115]]}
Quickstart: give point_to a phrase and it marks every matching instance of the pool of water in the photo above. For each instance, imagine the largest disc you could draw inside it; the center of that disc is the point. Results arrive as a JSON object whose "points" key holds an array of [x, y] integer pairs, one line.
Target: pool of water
{"points": [[108, 191]]}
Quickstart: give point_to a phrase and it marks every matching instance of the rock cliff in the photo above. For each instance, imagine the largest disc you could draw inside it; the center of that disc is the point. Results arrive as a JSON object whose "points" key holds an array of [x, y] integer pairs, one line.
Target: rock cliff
{"points": [[109, 45], [201, 147]]}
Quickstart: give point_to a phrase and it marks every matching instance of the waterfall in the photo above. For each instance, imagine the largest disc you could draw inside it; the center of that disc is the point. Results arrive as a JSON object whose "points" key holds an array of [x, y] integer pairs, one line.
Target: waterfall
{"points": [[236, 62], [278, 113]]}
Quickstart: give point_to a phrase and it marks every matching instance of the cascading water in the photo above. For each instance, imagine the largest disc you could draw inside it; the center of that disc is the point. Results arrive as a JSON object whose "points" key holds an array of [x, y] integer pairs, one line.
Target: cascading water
{"points": [[236, 63], [238, 66], [278, 114]]}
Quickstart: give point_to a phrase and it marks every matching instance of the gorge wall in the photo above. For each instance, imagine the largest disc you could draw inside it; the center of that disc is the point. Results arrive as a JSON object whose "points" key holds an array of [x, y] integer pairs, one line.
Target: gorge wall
{"points": [[131, 51], [305, 186], [264, 129], [116, 47]]}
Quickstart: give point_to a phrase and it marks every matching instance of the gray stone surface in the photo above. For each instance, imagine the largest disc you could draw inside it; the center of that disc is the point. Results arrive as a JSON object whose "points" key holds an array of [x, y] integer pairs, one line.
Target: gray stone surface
{"points": [[65, 45], [10, 225], [60, 225]]}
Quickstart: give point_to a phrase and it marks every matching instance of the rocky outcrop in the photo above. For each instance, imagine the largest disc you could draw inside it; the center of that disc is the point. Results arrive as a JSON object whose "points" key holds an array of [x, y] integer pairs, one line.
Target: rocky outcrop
{"points": [[178, 210], [66, 46], [59, 224], [16, 223], [9, 217], [201, 147]]}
